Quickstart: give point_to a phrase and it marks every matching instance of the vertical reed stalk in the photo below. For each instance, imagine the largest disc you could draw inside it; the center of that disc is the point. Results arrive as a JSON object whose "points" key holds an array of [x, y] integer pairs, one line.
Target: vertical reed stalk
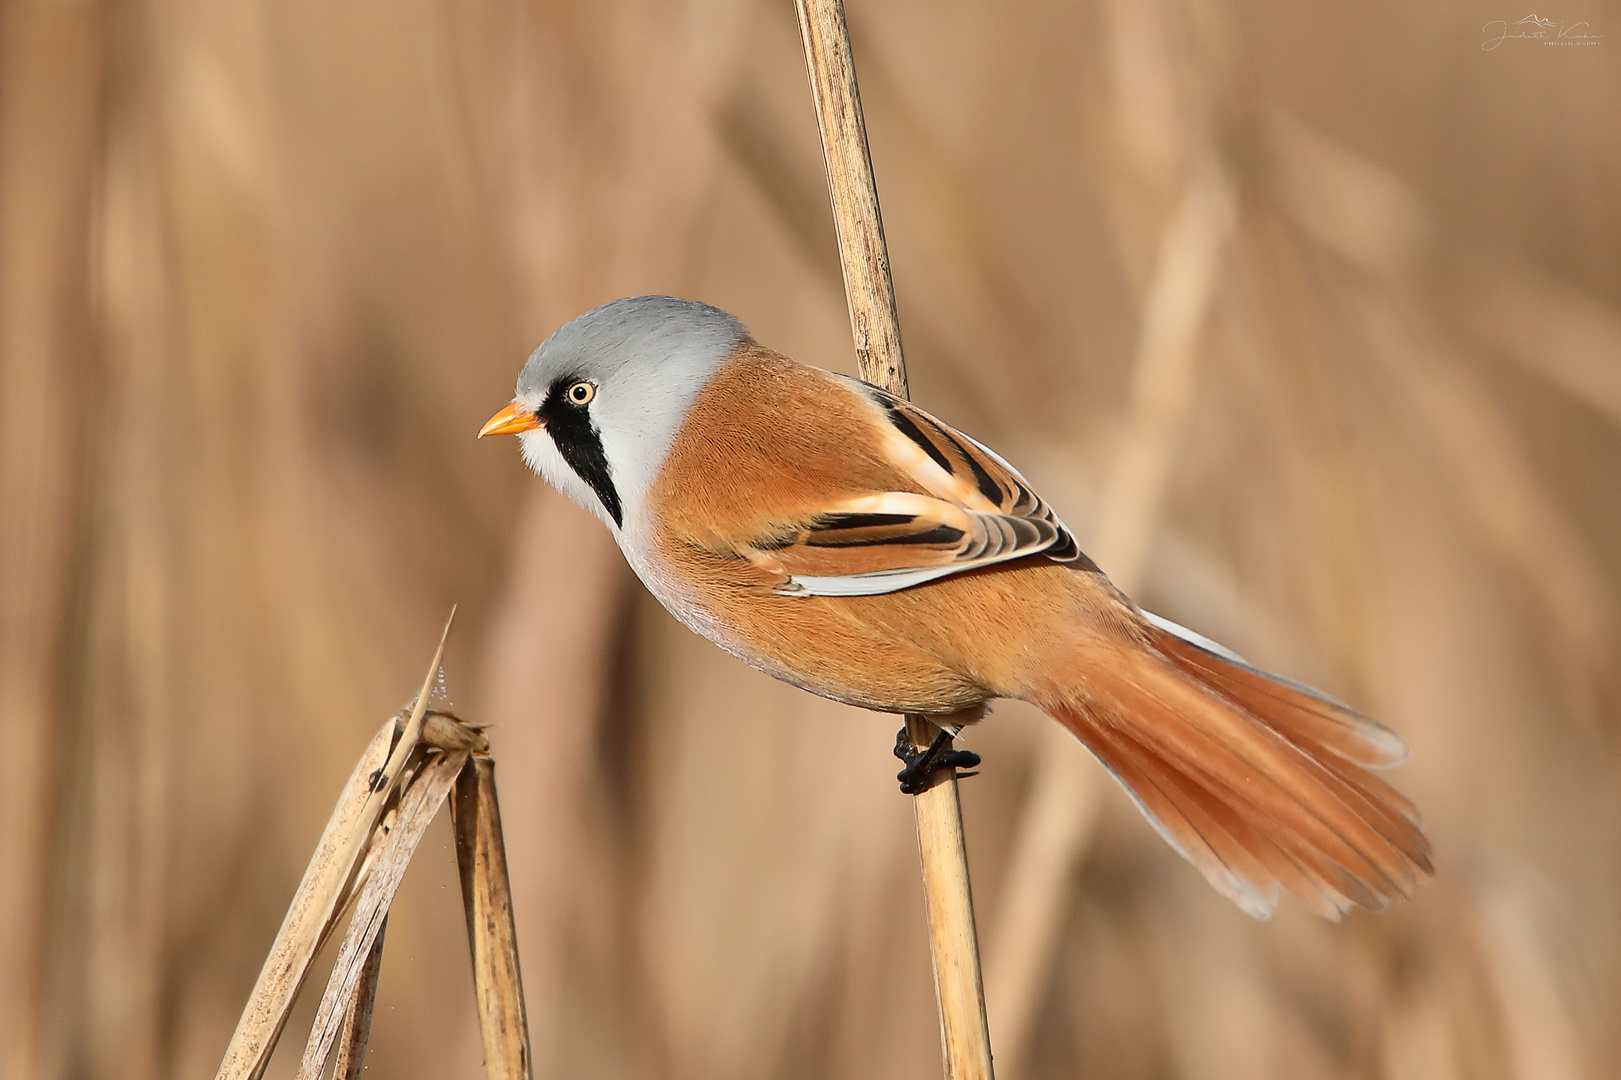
{"points": [[491, 931], [953, 945]]}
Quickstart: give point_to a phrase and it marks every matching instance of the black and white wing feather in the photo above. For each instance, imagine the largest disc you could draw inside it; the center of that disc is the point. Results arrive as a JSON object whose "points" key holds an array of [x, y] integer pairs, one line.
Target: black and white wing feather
{"points": [[978, 511]]}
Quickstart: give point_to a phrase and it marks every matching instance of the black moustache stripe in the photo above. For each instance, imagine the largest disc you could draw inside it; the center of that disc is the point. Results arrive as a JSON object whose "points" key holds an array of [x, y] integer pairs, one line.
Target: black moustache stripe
{"points": [[577, 439]]}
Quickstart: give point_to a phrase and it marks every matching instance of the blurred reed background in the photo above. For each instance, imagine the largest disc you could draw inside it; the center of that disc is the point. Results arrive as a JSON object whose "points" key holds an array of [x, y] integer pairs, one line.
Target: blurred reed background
{"points": [[1307, 317]]}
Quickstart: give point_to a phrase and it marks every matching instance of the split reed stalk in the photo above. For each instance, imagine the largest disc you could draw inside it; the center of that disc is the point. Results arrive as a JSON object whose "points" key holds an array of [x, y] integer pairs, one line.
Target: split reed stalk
{"points": [[953, 944], [309, 920], [356, 1033], [418, 806]]}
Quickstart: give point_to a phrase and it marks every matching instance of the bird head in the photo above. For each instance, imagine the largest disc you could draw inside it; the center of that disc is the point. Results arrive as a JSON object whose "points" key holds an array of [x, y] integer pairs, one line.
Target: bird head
{"points": [[599, 403]]}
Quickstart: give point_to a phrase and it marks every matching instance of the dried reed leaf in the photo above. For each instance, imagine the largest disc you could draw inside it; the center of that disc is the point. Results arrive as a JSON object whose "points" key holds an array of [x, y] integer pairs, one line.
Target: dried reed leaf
{"points": [[446, 731]]}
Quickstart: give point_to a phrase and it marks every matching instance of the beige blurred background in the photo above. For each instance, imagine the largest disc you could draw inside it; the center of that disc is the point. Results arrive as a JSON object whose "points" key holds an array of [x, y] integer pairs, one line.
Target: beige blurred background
{"points": [[1307, 317]]}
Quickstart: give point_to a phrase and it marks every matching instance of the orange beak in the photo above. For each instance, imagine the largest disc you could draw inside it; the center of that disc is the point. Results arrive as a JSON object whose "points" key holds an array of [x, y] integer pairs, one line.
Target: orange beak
{"points": [[511, 420]]}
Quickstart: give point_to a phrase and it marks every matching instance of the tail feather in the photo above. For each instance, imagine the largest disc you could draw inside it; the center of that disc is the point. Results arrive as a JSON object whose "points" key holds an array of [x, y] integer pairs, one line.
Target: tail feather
{"points": [[1248, 764], [1183, 821], [1301, 712], [1333, 736], [1321, 886], [1261, 783]]}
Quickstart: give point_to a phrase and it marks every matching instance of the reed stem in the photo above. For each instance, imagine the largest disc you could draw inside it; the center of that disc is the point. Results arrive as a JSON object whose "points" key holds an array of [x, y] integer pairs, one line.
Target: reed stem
{"points": [[491, 930], [953, 944]]}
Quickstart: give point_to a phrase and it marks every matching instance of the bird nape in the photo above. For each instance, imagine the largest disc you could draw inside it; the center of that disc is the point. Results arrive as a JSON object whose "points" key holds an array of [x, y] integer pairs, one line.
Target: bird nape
{"points": [[853, 545]]}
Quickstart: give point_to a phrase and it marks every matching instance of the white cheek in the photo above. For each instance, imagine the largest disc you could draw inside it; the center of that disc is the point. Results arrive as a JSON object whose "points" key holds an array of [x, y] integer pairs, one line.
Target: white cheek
{"points": [[540, 454], [638, 420]]}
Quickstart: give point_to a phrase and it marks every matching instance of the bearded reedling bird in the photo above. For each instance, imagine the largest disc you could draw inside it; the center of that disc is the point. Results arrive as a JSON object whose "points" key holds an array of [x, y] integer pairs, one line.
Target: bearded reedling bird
{"points": [[847, 542]]}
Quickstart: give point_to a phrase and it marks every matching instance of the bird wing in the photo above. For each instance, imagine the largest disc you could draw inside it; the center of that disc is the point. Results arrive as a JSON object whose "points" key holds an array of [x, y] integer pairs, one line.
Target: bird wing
{"points": [[974, 510]]}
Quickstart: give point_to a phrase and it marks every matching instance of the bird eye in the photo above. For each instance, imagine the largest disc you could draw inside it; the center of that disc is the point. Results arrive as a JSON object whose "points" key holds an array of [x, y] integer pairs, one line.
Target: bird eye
{"points": [[581, 393]]}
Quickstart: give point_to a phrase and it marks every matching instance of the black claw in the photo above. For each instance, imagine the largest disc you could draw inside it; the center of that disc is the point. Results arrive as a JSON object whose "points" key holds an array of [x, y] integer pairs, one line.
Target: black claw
{"points": [[922, 765]]}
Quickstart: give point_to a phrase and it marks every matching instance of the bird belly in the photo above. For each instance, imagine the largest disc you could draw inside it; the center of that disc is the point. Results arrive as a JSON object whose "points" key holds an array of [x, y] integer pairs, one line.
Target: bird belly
{"points": [[831, 646]]}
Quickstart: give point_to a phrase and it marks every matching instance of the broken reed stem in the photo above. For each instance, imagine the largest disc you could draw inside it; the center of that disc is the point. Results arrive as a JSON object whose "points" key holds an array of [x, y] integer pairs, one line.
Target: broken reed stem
{"points": [[392, 796], [422, 783], [953, 946], [327, 884], [308, 921], [491, 932]]}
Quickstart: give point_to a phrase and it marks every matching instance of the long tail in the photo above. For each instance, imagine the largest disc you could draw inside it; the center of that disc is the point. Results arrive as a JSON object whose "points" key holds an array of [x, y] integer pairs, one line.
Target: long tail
{"points": [[1258, 781]]}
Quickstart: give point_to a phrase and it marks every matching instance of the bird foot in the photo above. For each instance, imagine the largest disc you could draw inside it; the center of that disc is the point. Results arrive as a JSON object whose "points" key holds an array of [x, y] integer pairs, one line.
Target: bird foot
{"points": [[921, 765]]}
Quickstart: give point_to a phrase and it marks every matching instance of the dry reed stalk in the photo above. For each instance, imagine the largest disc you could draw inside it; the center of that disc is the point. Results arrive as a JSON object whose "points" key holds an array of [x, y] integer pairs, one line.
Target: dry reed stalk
{"points": [[433, 750], [948, 903], [491, 931], [1063, 802], [52, 104], [860, 228], [965, 300], [307, 922], [327, 883], [419, 803], [953, 945]]}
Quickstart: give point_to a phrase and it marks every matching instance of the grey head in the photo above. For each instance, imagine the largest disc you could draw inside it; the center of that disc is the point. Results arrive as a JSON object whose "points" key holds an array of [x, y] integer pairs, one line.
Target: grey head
{"points": [[610, 390]]}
